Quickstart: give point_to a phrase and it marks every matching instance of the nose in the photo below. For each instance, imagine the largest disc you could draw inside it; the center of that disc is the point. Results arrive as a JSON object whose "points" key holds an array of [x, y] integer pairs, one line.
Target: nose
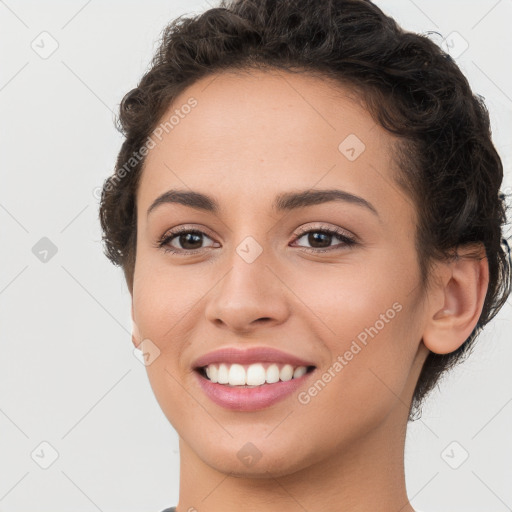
{"points": [[248, 297]]}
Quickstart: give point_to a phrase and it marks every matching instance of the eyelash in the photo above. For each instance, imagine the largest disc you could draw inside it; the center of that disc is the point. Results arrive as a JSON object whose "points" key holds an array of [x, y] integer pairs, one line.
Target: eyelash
{"points": [[164, 241]]}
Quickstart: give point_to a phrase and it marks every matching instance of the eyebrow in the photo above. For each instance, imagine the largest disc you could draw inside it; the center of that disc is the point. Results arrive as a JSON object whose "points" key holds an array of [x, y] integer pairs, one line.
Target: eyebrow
{"points": [[284, 202]]}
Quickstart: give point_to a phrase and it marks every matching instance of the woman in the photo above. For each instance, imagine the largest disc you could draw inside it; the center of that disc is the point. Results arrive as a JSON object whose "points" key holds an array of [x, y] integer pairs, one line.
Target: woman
{"points": [[306, 209]]}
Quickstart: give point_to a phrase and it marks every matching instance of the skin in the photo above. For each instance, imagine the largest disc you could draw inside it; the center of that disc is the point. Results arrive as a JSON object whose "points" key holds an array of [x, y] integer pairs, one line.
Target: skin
{"points": [[251, 137]]}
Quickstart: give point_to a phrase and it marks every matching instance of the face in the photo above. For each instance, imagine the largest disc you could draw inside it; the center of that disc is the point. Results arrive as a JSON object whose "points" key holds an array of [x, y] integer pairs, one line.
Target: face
{"points": [[331, 279]]}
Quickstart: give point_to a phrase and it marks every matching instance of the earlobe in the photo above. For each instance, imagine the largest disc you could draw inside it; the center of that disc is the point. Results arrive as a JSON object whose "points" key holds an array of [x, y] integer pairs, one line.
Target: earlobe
{"points": [[461, 292], [135, 331]]}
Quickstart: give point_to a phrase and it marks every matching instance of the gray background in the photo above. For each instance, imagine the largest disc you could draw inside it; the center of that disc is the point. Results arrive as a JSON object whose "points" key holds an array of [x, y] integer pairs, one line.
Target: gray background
{"points": [[68, 374]]}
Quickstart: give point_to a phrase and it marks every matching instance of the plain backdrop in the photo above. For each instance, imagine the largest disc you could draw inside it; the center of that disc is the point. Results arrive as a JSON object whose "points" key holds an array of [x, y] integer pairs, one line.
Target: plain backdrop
{"points": [[80, 428]]}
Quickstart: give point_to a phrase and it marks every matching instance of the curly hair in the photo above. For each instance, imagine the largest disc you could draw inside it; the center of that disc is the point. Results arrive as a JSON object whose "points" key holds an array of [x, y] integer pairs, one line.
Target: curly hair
{"points": [[447, 161]]}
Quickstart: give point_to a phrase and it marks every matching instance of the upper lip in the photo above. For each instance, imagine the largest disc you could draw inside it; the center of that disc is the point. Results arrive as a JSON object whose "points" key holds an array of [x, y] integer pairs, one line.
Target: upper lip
{"points": [[247, 356]]}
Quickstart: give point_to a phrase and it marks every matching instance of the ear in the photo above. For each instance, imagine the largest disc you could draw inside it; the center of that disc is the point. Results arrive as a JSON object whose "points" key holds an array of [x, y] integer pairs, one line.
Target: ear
{"points": [[456, 299], [136, 339]]}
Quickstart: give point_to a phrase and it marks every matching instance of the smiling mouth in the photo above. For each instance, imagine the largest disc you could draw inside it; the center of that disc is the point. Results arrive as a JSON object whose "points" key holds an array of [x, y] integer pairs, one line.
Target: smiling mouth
{"points": [[252, 375]]}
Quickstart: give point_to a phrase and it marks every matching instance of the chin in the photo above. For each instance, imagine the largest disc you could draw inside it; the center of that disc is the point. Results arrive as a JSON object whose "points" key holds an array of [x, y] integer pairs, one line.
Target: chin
{"points": [[260, 458], [268, 466]]}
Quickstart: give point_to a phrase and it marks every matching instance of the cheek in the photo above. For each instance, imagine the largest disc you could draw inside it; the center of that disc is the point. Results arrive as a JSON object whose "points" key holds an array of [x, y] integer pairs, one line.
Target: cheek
{"points": [[350, 297], [159, 303], [372, 319], [368, 376]]}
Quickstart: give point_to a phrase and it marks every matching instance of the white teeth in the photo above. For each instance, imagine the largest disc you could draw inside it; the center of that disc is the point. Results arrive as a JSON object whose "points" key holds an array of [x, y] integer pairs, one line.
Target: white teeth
{"points": [[212, 372], [272, 374], [223, 375], [286, 372], [256, 375], [237, 375], [252, 375], [299, 372]]}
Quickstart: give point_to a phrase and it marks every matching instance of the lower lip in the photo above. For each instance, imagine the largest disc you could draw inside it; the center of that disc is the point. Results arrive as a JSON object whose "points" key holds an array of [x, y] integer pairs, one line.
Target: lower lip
{"points": [[238, 398]]}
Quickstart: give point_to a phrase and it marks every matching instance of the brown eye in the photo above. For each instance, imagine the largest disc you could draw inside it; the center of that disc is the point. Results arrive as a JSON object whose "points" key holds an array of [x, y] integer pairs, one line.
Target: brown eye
{"points": [[189, 241], [320, 240], [183, 241]]}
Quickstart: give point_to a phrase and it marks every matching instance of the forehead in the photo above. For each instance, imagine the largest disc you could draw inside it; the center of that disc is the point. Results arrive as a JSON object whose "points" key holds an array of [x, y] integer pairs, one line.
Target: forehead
{"points": [[262, 131]]}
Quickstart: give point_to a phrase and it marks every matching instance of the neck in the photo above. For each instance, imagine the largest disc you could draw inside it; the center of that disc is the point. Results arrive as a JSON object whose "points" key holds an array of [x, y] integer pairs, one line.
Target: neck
{"points": [[367, 474]]}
